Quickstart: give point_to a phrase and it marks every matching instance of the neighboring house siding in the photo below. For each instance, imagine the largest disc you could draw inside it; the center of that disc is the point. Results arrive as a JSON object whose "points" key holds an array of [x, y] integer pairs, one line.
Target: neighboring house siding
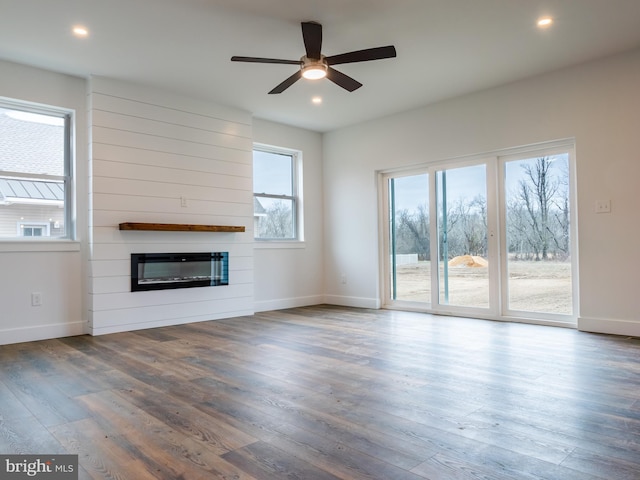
{"points": [[12, 215]]}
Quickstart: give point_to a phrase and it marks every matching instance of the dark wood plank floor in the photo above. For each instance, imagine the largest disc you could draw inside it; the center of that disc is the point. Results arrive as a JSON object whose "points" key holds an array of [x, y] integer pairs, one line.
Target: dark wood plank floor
{"points": [[330, 393]]}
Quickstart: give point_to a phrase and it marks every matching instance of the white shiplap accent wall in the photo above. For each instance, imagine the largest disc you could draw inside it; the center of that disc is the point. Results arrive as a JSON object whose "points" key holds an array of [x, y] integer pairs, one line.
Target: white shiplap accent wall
{"points": [[149, 148]]}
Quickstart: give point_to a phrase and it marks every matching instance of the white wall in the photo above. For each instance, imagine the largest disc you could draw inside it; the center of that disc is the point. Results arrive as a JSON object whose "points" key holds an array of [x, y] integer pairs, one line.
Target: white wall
{"points": [[56, 270], [598, 104], [149, 149], [290, 274]]}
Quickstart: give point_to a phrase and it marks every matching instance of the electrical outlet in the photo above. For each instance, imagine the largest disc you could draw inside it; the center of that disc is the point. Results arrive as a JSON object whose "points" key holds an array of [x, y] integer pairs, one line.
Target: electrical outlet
{"points": [[603, 206], [36, 299], [183, 202], [343, 279]]}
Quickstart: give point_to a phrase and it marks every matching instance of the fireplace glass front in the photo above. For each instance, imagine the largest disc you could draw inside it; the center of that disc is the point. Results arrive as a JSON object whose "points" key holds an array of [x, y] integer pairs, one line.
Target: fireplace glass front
{"points": [[159, 271]]}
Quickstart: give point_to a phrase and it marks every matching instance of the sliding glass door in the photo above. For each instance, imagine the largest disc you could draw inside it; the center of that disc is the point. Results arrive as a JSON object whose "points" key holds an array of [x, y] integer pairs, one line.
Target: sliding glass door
{"points": [[409, 270], [437, 240], [462, 237], [490, 237], [538, 234]]}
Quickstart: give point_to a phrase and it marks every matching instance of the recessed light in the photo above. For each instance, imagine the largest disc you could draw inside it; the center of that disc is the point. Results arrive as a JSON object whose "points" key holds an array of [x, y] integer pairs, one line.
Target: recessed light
{"points": [[545, 22], [80, 31], [316, 100]]}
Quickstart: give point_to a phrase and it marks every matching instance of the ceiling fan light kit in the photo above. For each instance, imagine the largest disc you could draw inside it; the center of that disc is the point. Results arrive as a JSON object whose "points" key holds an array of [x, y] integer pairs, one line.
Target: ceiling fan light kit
{"points": [[313, 69], [314, 65]]}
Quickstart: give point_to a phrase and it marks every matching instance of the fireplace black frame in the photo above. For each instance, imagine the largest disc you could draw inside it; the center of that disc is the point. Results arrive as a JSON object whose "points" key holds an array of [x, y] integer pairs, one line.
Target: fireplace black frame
{"points": [[212, 269]]}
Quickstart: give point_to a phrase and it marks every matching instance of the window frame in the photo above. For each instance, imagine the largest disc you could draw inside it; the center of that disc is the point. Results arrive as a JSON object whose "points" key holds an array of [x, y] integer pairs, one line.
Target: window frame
{"points": [[67, 178], [295, 198], [22, 224]]}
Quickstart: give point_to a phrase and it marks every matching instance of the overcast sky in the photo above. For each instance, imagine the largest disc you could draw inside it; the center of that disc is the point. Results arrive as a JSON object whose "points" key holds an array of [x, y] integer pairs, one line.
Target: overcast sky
{"points": [[463, 183]]}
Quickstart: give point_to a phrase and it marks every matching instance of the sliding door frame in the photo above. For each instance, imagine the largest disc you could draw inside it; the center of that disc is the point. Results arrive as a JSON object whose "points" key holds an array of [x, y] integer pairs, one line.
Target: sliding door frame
{"points": [[386, 270], [550, 149], [493, 239], [496, 236]]}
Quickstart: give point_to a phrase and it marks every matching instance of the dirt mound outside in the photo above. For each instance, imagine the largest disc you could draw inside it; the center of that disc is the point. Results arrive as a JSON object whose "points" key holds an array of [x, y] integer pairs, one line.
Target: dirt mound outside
{"points": [[468, 261]]}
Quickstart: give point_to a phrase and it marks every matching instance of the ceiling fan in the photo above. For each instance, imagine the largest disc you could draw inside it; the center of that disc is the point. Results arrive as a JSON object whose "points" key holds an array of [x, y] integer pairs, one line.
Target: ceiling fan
{"points": [[314, 65]]}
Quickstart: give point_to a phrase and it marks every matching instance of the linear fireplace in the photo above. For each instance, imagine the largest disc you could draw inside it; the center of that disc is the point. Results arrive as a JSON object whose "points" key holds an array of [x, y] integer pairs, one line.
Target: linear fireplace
{"points": [[159, 271]]}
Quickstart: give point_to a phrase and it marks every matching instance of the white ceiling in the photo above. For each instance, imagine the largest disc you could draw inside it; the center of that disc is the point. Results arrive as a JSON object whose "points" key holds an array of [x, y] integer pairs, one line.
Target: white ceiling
{"points": [[445, 48]]}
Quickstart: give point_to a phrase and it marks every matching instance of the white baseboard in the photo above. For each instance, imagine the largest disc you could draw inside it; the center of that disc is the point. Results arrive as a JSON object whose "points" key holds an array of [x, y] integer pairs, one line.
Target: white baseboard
{"points": [[629, 328], [282, 303], [129, 327], [357, 302], [41, 332]]}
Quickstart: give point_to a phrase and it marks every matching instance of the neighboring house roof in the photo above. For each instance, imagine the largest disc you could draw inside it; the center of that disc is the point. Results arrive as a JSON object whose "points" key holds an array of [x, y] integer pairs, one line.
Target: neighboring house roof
{"points": [[258, 209], [29, 146], [30, 191]]}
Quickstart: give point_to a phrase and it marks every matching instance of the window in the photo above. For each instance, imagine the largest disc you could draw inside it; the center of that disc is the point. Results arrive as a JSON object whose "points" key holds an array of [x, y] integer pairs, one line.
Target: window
{"points": [[35, 171], [33, 229], [275, 194]]}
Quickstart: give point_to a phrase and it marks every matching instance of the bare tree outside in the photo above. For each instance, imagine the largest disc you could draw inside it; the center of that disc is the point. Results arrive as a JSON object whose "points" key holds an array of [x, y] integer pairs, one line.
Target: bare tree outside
{"points": [[412, 235], [467, 227], [538, 212], [277, 220], [537, 190]]}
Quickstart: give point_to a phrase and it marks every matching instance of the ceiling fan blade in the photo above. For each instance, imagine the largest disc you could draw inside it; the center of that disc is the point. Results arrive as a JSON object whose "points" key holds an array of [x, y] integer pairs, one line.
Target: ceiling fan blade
{"points": [[377, 53], [264, 60], [312, 36], [287, 83], [342, 80]]}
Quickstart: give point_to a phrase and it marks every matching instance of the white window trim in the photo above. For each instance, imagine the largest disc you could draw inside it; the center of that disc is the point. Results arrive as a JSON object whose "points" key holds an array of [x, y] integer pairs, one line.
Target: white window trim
{"points": [[68, 178], [266, 244], [38, 244], [298, 241]]}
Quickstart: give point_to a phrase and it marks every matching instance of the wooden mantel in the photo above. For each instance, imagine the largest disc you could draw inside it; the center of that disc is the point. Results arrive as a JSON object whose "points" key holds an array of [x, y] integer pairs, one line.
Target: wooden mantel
{"points": [[179, 227]]}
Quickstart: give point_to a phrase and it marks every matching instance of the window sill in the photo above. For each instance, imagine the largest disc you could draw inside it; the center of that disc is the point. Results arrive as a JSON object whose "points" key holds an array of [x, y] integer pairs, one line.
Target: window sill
{"points": [[9, 246], [267, 244]]}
